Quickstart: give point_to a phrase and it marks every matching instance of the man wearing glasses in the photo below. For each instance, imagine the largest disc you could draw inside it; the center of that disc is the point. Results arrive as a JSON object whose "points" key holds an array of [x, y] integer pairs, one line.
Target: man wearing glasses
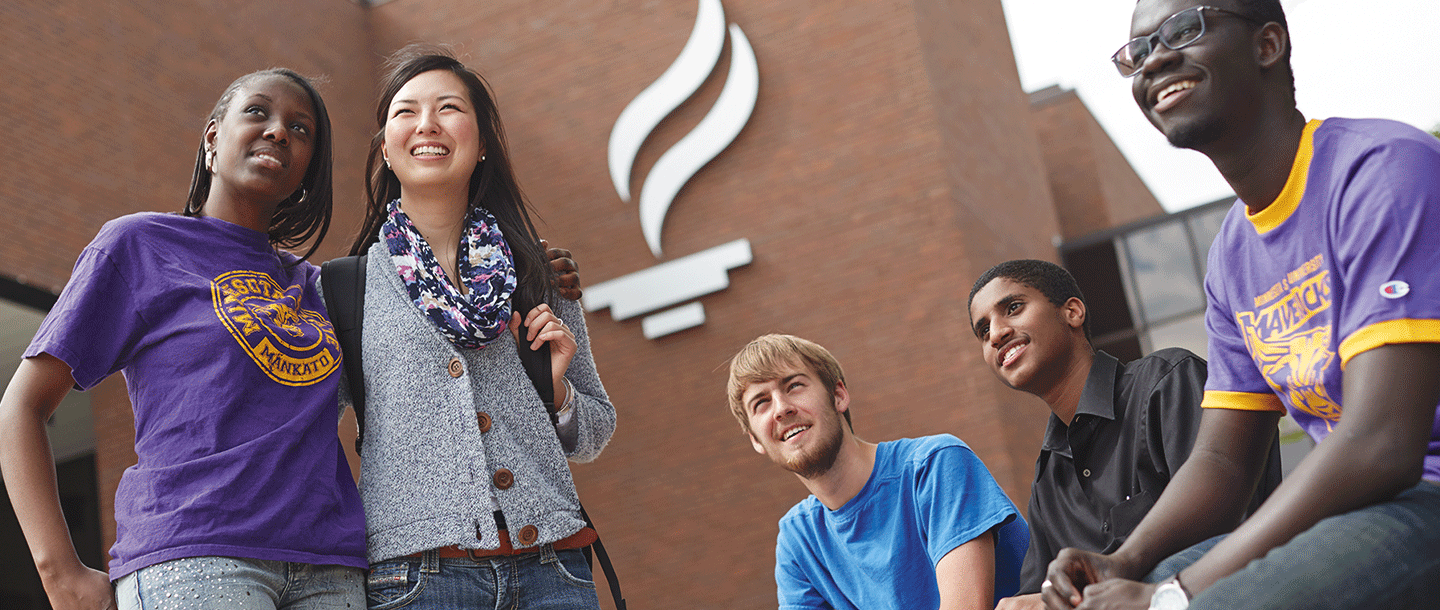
{"points": [[1323, 299]]}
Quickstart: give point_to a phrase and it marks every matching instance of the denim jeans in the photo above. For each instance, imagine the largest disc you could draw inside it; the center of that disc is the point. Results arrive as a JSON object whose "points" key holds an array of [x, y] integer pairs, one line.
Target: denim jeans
{"points": [[240, 584], [543, 580], [1386, 555]]}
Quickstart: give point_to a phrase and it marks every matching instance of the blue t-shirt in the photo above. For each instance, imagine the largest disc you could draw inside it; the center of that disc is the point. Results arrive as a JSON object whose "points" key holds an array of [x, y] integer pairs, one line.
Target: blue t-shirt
{"points": [[232, 371], [925, 497], [1343, 261]]}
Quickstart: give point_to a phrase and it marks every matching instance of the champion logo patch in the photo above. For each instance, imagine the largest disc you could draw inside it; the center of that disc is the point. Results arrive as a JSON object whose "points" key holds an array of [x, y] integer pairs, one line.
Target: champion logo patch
{"points": [[1394, 290]]}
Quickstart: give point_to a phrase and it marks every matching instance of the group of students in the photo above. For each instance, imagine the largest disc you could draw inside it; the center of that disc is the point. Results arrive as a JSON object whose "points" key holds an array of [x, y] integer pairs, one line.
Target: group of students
{"points": [[1321, 298], [241, 496], [1157, 484]]}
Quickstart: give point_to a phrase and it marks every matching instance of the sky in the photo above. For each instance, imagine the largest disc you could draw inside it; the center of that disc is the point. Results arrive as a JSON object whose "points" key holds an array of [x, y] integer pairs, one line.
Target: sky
{"points": [[1351, 59]]}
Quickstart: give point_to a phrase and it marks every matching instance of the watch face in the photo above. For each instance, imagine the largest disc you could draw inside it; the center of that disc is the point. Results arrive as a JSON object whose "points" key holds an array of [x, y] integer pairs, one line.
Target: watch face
{"points": [[1169, 597]]}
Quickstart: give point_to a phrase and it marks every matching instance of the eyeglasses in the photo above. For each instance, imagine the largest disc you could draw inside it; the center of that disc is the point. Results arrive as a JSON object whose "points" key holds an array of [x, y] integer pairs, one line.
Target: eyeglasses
{"points": [[1177, 32]]}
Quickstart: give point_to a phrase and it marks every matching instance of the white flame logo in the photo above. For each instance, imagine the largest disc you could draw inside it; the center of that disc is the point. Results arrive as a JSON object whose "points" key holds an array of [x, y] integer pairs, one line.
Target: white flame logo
{"points": [[689, 277], [716, 131]]}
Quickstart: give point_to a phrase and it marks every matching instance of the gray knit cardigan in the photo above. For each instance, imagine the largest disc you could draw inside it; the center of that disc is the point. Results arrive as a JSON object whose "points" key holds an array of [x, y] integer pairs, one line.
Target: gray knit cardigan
{"points": [[428, 474]]}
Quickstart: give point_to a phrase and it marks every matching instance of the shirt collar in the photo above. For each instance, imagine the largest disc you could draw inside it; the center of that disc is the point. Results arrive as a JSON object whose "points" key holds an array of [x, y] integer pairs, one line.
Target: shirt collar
{"points": [[1098, 399]]}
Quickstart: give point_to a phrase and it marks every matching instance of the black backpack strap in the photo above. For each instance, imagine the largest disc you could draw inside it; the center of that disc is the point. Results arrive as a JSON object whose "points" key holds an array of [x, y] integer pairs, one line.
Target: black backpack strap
{"points": [[343, 281], [605, 564], [537, 365], [537, 368]]}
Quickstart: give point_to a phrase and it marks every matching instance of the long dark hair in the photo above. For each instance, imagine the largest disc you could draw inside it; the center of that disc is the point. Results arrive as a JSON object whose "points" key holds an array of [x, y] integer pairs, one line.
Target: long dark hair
{"points": [[492, 185], [306, 213]]}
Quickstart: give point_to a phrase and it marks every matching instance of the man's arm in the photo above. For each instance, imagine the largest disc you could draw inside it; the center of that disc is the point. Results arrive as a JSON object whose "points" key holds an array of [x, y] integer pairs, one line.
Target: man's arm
{"points": [[1375, 452], [966, 575], [1208, 496]]}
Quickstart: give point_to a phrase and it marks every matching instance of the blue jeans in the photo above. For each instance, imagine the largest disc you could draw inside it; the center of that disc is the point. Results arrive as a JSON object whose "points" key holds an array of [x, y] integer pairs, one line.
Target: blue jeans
{"points": [[1386, 555], [240, 584], [546, 579]]}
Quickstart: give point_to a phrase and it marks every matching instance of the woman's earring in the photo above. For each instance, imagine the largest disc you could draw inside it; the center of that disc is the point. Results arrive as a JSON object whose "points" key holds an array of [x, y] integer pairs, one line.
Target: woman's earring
{"points": [[303, 193], [482, 157], [387, 162], [209, 159]]}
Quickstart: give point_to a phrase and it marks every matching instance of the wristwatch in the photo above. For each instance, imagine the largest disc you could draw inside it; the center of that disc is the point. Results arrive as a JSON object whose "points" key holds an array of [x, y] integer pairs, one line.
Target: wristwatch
{"points": [[1170, 596]]}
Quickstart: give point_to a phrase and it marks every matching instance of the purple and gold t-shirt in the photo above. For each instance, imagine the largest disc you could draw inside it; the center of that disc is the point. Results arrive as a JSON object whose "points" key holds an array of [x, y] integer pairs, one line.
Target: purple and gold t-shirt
{"points": [[232, 369], [1345, 260]]}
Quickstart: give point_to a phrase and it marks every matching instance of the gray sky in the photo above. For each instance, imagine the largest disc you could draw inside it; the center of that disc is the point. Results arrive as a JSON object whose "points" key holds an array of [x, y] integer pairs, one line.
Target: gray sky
{"points": [[1353, 59]]}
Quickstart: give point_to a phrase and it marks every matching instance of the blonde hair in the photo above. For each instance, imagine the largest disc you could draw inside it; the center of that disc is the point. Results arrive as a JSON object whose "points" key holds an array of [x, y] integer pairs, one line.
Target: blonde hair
{"points": [[767, 357]]}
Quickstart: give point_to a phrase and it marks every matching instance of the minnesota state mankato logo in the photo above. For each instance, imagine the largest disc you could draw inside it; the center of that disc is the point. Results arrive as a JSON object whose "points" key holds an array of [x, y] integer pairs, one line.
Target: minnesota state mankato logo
{"points": [[294, 346]]}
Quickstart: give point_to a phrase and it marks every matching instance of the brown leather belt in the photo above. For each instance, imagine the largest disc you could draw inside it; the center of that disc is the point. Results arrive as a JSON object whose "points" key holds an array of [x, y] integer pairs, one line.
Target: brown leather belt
{"points": [[583, 538]]}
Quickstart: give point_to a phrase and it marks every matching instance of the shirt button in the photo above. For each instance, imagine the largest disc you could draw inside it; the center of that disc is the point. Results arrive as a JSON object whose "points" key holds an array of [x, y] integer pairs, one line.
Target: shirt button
{"points": [[528, 535], [504, 478], [456, 368], [1085, 473], [484, 419]]}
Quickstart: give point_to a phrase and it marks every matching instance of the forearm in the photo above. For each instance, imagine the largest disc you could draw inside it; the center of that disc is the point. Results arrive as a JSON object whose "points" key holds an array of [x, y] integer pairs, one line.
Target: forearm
{"points": [[1210, 492], [592, 413], [29, 472], [1336, 477], [1376, 451]]}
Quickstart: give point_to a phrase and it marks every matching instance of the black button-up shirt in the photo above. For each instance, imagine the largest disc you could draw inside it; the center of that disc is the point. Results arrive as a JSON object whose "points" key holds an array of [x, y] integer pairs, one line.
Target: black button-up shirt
{"points": [[1096, 478]]}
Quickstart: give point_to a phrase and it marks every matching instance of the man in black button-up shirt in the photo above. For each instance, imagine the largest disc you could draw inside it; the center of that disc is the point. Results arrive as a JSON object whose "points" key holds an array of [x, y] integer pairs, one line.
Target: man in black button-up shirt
{"points": [[1117, 433]]}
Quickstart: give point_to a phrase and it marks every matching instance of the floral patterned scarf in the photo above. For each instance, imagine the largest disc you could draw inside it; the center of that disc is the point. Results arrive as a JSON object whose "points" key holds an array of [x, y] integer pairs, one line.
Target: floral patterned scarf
{"points": [[486, 268]]}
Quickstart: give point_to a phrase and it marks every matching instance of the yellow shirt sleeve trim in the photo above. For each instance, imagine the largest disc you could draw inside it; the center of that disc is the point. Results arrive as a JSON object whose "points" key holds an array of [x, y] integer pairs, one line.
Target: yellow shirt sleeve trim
{"points": [[1404, 330], [1242, 401], [1285, 204]]}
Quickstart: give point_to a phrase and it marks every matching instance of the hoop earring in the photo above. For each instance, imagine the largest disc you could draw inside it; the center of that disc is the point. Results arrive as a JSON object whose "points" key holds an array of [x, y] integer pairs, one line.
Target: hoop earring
{"points": [[303, 194]]}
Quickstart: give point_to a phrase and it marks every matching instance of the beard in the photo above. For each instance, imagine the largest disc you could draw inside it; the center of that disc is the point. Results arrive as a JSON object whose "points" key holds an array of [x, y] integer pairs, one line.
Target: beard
{"points": [[1196, 134], [819, 460]]}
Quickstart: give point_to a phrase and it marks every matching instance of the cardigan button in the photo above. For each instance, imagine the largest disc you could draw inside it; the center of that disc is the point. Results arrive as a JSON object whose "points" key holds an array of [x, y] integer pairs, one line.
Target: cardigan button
{"points": [[484, 419], [504, 478], [456, 368], [528, 535]]}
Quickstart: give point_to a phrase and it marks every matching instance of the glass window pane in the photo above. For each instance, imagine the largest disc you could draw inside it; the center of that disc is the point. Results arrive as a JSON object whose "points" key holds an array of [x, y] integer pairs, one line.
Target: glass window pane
{"points": [[1204, 227], [1164, 271], [1187, 332]]}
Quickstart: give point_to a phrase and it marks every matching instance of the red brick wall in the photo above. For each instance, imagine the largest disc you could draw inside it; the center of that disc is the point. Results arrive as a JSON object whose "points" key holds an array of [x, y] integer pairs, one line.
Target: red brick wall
{"points": [[1094, 187]]}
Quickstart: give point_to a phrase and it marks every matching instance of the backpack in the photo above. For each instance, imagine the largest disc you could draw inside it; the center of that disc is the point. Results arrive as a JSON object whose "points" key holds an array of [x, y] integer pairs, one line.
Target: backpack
{"points": [[343, 282]]}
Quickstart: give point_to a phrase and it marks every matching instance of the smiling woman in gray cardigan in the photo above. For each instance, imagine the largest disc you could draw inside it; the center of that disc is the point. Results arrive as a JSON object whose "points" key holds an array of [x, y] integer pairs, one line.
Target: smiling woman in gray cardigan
{"points": [[468, 497]]}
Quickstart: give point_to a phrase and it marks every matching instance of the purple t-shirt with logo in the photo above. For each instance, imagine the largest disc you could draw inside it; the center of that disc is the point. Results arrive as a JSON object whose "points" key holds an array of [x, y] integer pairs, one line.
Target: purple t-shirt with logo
{"points": [[1345, 260], [232, 369]]}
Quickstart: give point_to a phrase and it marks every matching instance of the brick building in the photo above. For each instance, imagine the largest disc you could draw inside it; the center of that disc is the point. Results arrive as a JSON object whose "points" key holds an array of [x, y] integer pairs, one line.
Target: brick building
{"points": [[890, 158]]}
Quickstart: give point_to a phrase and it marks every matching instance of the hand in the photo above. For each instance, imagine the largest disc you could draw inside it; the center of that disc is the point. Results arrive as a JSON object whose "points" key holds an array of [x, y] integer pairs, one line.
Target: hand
{"points": [[543, 326], [1022, 602], [567, 271], [1074, 570], [1118, 594], [82, 589]]}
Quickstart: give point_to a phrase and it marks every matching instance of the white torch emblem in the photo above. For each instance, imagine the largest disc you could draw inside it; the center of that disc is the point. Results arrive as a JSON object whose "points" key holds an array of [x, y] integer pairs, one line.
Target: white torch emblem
{"points": [[696, 275]]}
